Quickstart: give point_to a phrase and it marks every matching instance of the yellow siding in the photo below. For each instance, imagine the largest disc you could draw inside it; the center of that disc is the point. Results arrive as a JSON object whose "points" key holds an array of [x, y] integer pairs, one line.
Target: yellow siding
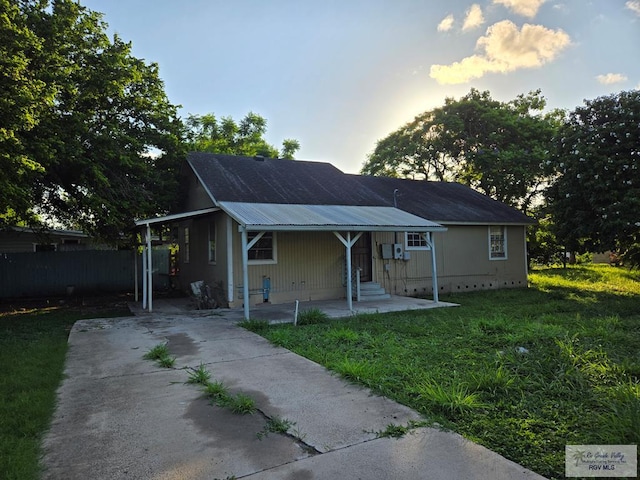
{"points": [[309, 267], [462, 262]]}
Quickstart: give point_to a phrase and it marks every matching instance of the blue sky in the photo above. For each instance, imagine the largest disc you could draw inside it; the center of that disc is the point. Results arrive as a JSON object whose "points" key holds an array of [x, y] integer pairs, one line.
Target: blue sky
{"points": [[338, 75]]}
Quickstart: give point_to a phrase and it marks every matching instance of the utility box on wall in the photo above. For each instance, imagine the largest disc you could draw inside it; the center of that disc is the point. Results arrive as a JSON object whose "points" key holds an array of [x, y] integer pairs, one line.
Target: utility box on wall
{"points": [[386, 251], [398, 251]]}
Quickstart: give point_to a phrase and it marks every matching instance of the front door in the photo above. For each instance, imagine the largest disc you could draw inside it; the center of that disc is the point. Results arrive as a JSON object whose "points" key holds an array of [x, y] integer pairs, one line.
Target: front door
{"points": [[361, 256]]}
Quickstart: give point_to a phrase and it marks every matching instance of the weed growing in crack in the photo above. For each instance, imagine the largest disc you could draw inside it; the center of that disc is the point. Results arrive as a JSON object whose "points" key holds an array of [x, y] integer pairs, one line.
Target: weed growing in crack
{"points": [[216, 391], [157, 352], [241, 404], [199, 375], [275, 425], [398, 431], [167, 362], [160, 353]]}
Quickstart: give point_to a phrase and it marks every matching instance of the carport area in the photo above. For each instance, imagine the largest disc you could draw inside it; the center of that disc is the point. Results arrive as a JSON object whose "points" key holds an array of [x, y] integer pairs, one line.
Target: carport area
{"points": [[120, 416]]}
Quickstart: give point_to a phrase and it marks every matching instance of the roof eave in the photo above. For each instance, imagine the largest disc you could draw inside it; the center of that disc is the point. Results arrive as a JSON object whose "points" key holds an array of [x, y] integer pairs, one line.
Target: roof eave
{"points": [[333, 228]]}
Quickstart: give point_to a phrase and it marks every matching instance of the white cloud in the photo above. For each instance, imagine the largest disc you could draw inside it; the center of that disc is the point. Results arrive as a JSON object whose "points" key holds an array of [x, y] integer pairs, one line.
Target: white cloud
{"points": [[474, 18], [504, 49], [446, 24], [611, 78], [634, 6], [526, 8]]}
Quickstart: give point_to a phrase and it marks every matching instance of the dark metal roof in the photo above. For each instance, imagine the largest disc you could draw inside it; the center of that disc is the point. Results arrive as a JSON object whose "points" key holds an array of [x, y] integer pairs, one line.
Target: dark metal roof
{"points": [[230, 178], [268, 180], [443, 202]]}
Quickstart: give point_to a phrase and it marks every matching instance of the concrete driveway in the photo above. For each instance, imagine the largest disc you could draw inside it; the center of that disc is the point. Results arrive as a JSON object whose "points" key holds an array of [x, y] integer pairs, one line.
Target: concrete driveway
{"points": [[120, 416]]}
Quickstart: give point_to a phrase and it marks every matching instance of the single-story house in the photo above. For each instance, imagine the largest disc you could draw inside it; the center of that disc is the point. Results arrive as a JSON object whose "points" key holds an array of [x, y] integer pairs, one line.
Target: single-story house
{"points": [[26, 239], [275, 230]]}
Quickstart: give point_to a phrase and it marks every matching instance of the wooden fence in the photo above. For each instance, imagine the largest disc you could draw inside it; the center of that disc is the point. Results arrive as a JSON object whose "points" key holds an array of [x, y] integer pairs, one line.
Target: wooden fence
{"points": [[82, 272]]}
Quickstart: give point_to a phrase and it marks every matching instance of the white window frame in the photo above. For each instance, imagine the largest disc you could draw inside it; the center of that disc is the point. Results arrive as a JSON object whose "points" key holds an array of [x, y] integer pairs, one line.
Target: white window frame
{"points": [[423, 240], [212, 242], [274, 249], [498, 255]]}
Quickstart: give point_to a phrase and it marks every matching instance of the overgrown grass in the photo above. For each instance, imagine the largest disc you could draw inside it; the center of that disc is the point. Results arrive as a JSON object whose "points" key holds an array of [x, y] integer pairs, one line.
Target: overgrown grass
{"points": [[521, 371], [33, 344]]}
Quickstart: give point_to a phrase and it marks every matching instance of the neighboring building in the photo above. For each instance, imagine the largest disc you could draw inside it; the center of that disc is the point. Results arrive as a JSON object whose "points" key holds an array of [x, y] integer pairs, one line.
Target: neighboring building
{"points": [[24, 239], [299, 221]]}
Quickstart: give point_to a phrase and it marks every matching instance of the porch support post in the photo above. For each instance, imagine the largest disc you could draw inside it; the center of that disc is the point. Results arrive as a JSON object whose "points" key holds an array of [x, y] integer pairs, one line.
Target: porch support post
{"points": [[246, 245], [149, 269], [144, 277], [230, 292], [135, 273], [348, 243], [434, 279], [245, 272]]}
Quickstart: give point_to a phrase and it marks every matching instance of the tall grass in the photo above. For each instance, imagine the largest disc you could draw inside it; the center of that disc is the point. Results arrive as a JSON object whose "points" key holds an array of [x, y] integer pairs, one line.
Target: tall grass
{"points": [[521, 371], [33, 345]]}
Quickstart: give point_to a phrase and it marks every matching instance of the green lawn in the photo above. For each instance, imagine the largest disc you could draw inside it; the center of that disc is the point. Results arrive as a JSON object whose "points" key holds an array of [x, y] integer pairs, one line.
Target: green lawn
{"points": [[33, 344], [521, 371]]}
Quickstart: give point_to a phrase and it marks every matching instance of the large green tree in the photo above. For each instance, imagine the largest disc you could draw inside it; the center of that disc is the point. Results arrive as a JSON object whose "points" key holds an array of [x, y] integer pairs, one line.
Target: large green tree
{"points": [[99, 144], [23, 97], [595, 200], [206, 133], [498, 148]]}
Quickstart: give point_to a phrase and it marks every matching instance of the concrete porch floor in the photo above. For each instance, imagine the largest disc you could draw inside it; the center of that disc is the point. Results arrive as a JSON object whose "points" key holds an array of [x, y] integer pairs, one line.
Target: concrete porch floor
{"points": [[285, 312]]}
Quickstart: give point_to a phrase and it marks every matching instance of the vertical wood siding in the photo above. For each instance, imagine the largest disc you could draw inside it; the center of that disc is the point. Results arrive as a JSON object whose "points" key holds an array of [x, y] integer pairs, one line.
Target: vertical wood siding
{"points": [[94, 271]]}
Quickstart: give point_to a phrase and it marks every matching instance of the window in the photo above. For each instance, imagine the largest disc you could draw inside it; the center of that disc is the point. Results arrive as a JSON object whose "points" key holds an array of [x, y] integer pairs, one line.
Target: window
{"points": [[212, 242], [44, 247], [497, 242], [416, 241], [185, 254], [264, 250]]}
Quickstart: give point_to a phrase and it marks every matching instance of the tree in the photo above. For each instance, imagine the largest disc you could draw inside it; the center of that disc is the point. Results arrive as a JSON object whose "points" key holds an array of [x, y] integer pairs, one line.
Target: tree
{"points": [[103, 132], [595, 199], [208, 134], [500, 149], [23, 97]]}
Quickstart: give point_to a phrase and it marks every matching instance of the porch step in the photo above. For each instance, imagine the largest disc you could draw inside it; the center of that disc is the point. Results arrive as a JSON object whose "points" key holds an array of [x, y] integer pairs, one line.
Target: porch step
{"points": [[370, 291]]}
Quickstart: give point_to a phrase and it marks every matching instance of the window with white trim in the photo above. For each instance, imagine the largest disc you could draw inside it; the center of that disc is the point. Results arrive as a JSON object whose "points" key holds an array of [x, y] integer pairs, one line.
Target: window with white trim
{"points": [[212, 242], [416, 241], [497, 242], [264, 250]]}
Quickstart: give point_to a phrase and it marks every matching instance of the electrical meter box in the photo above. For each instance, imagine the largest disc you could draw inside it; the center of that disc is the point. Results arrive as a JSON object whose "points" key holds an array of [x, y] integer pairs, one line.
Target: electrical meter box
{"points": [[398, 251]]}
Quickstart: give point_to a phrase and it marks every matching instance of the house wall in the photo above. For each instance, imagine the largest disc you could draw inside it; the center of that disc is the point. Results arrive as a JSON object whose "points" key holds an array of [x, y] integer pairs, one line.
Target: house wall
{"points": [[310, 265], [197, 198], [198, 267], [21, 241], [462, 262]]}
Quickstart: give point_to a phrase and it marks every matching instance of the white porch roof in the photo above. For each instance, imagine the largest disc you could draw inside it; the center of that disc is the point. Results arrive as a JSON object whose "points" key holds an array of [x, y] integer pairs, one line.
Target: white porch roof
{"points": [[286, 217]]}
